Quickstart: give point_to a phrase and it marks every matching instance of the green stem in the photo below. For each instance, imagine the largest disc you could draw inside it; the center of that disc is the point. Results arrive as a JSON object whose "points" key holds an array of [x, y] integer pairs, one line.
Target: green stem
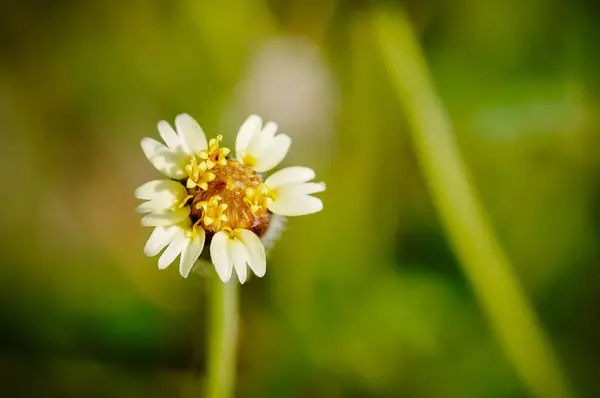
{"points": [[482, 259], [222, 339]]}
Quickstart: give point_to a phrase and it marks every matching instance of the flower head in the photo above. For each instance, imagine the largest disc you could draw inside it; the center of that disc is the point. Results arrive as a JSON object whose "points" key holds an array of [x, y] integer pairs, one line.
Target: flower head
{"points": [[211, 199]]}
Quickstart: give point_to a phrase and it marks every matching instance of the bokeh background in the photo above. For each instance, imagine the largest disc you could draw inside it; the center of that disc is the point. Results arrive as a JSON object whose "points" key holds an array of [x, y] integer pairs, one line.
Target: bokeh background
{"points": [[365, 299]]}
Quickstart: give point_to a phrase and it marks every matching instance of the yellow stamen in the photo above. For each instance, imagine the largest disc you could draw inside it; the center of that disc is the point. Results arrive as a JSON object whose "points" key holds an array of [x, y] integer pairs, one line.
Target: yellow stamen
{"points": [[194, 228], [197, 174], [259, 199], [214, 155], [185, 201], [213, 212], [213, 144]]}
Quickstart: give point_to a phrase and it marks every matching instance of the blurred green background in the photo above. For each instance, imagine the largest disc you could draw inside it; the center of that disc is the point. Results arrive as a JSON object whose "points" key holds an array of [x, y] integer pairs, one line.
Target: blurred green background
{"points": [[365, 299]]}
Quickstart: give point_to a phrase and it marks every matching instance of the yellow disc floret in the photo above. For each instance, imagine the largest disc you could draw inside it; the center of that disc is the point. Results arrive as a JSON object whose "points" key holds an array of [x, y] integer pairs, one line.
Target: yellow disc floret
{"points": [[198, 171], [259, 198], [213, 212], [214, 155], [198, 174]]}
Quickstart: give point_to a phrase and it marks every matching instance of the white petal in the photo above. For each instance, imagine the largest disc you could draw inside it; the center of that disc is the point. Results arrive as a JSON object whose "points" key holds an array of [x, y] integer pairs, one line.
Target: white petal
{"points": [[152, 148], [262, 141], [169, 135], [312, 187], [274, 154], [162, 204], [191, 253], [179, 242], [257, 259], [163, 195], [164, 160], [190, 133], [301, 189], [159, 239], [165, 219], [290, 175], [296, 205], [219, 255], [153, 206], [151, 189], [237, 253], [249, 129]]}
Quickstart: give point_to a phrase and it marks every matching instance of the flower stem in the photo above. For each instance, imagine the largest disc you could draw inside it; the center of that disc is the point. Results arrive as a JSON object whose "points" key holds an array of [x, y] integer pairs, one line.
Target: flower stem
{"points": [[482, 258], [222, 339]]}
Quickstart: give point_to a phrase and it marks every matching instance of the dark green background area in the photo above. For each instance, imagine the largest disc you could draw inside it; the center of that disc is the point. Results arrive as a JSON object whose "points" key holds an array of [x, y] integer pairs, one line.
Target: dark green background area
{"points": [[365, 299]]}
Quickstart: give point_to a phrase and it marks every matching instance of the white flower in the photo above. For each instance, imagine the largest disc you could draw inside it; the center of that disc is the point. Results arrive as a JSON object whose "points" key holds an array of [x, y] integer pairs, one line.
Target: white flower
{"points": [[258, 147], [212, 196]]}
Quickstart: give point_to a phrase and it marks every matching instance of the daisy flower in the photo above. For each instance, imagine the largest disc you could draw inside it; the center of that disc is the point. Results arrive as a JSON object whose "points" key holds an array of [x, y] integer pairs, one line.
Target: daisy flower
{"points": [[211, 198]]}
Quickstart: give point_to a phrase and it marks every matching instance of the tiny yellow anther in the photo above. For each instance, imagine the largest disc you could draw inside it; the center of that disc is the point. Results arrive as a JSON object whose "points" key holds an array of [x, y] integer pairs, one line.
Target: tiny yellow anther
{"points": [[184, 201], [227, 230], [194, 228]]}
